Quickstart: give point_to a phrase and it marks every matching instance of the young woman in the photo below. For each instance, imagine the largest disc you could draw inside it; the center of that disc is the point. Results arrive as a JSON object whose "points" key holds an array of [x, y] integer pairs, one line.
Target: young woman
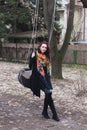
{"points": [[40, 79]]}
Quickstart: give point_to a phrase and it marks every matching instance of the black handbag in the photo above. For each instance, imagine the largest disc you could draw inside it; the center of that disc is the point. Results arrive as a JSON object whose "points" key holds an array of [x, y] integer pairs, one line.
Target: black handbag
{"points": [[24, 77]]}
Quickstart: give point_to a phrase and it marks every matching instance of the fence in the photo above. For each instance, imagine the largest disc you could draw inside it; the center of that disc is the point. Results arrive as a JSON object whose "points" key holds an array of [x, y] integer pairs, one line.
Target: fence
{"points": [[76, 54], [76, 57], [15, 51]]}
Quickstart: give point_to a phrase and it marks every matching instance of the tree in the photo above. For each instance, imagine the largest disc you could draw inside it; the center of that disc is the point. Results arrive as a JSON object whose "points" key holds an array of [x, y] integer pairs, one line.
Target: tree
{"points": [[57, 55], [84, 2], [19, 13], [14, 17]]}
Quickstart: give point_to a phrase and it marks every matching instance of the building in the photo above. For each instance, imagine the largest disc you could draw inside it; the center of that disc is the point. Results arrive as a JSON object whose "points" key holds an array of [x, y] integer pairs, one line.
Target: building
{"points": [[79, 32]]}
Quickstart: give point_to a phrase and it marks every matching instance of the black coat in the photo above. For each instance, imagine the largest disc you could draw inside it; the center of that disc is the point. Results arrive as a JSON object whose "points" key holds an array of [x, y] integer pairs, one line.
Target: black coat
{"points": [[37, 81]]}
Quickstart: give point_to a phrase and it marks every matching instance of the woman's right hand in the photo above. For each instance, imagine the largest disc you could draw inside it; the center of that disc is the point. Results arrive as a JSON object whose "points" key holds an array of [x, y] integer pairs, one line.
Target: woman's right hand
{"points": [[33, 54]]}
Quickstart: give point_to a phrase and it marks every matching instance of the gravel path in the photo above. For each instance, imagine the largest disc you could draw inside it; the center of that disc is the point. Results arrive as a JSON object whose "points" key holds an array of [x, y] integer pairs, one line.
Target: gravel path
{"points": [[20, 110]]}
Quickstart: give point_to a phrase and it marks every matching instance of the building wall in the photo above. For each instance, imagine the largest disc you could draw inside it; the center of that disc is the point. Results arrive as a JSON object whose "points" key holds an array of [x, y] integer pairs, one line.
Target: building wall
{"points": [[79, 32], [84, 28], [77, 25]]}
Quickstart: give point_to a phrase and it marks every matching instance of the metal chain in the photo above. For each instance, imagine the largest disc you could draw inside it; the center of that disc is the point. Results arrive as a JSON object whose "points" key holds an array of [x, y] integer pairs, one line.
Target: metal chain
{"points": [[34, 31]]}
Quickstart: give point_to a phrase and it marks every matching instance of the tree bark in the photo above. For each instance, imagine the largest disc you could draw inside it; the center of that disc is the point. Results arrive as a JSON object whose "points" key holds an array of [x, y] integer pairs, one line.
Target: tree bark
{"points": [[48, 13], [58, 55], [56, 59], [69, 28], [84, 2]]}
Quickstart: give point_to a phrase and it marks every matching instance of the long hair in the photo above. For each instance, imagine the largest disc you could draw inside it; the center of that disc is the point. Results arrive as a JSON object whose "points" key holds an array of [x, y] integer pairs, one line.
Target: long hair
{"points": [[47, 53]]}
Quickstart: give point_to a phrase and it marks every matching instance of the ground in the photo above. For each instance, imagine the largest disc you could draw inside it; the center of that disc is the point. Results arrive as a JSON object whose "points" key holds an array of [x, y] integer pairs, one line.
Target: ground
{"points": [[20, 110]]}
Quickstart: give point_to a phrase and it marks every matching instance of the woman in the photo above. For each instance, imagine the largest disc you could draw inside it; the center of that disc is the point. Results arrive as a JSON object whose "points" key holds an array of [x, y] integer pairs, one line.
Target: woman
{"points": [[40, 79]]}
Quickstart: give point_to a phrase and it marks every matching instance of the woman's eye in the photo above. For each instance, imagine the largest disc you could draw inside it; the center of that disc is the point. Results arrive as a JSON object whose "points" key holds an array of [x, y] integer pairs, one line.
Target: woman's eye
{"points": [[44, 47]]}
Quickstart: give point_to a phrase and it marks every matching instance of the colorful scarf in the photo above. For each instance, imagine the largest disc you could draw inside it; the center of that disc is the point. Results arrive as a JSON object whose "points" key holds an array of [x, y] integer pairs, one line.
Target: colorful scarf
{"points": [[42, 61]]}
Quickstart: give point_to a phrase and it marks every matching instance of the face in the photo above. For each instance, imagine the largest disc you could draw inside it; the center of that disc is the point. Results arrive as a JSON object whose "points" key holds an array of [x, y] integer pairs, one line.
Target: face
{"points": [[43, 48]]}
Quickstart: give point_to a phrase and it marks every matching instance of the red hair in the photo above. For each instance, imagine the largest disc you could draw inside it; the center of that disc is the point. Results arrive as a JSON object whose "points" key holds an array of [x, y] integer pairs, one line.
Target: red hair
{"points": [[47, 53]]}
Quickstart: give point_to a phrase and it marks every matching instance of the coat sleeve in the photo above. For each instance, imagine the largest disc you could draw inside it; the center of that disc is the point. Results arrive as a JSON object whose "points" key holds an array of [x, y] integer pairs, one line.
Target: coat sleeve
{"points": [[32, 62]]}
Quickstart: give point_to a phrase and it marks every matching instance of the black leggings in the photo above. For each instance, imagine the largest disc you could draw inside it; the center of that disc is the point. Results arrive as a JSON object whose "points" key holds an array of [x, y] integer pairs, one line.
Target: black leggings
{"points": [[48, 96], [48, 101]]}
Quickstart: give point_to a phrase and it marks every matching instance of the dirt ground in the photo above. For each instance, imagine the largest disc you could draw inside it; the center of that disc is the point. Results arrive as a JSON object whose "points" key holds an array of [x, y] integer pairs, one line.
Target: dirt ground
{"points": [[20, 110]]}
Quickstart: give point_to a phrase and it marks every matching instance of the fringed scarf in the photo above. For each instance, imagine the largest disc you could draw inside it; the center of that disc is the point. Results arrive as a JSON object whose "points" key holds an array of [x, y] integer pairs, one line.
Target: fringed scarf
{"points": [[42, 61]]}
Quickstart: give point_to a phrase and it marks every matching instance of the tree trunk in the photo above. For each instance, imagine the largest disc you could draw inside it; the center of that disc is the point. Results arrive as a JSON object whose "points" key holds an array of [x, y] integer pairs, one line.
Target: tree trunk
{"points": [[69, 28], [58, 55], [56, 58], [48, 13], [84, 2]]}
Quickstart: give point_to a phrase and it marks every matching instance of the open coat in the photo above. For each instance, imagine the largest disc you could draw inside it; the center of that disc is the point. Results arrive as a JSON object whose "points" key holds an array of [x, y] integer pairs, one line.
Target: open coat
{"points": [[37, 81]]}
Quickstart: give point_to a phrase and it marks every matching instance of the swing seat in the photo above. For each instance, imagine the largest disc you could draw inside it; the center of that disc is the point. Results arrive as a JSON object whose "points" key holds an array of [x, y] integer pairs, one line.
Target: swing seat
{"points": [[24, 77]]}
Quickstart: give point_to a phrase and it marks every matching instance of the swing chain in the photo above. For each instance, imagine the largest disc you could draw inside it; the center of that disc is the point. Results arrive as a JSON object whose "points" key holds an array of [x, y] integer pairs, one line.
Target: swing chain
{"points": [[34, 22], [34, 31]]}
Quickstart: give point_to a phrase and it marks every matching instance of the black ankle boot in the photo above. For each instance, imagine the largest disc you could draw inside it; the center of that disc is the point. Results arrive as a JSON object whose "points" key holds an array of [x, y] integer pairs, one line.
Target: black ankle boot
{"points": [[55, 117], [45, 115], [52, 107]]}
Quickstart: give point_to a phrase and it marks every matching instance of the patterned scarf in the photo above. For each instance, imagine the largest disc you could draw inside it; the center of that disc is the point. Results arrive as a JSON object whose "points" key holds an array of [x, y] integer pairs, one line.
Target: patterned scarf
{"points": [[42, 61]]}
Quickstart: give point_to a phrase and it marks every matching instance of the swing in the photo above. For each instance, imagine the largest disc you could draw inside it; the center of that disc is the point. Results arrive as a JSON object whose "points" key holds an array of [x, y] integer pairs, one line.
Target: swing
{"points": [[24, 77], [25, 73]]}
